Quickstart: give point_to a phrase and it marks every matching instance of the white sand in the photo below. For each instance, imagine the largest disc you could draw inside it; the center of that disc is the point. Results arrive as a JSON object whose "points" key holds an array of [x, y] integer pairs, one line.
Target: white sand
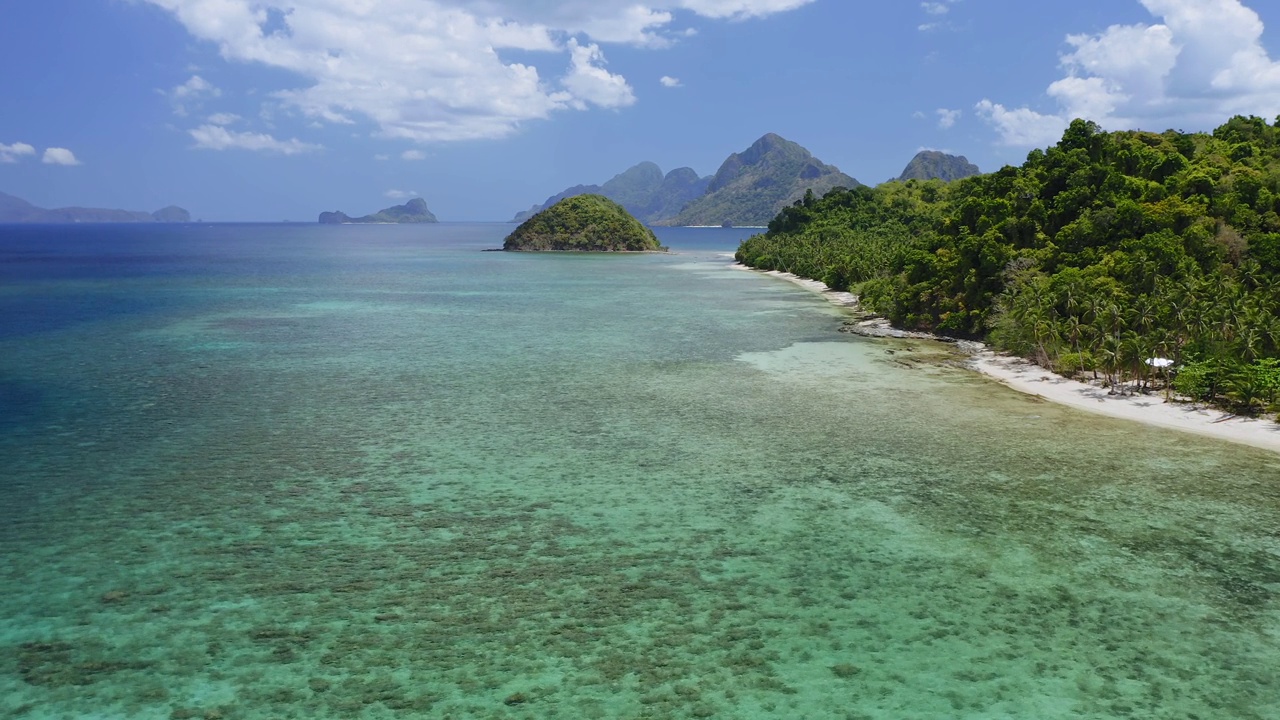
{"points": [[835, 297], [1150, 409], [1032, 379]]}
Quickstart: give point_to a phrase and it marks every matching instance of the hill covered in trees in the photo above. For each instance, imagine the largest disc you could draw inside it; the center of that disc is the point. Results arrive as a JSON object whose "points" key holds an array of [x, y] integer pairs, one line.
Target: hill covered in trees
{"points": [[583, 223], [1096, 255]]}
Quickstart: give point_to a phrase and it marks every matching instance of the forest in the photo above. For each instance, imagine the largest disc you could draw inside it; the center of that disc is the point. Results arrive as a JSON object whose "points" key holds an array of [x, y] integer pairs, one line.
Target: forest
{"points": [[1145, 260]]}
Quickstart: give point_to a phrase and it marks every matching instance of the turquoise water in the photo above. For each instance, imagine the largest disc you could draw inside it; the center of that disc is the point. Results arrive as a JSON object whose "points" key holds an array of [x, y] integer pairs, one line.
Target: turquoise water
{"points": [[313, 472]]}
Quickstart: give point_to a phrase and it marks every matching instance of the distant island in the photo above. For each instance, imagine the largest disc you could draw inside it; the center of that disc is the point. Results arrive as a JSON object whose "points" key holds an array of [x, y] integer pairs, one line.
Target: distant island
{"points": [[937, 165], [753, 186], [750, 188], [643, 190], [16, 210], [583, 223], [414, 211]]}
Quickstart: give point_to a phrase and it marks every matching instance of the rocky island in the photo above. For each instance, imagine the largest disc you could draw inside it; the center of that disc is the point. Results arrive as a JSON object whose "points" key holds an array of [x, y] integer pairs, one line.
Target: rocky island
{"points": [[583, 223], [414, 211]]}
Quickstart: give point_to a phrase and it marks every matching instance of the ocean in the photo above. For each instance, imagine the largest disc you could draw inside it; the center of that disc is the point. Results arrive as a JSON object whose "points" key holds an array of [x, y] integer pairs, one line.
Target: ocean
{"points": [[302, 471]]}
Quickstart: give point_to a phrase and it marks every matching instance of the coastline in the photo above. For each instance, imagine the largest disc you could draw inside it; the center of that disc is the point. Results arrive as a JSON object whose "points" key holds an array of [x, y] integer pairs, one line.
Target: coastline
{"points": [[1026, 377]]}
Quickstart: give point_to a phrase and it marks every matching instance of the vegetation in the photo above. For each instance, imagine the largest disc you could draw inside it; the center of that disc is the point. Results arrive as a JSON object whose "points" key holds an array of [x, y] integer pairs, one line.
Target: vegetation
{"points": [[1095, 256], [584, 223]]}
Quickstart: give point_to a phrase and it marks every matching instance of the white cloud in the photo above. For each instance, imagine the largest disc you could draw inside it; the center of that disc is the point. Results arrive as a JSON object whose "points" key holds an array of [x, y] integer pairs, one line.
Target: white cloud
{"points": [[947, 118], [224, 119], [11, 153], [401, 194], [1021, 126], [413, 155], [670, 82], [589, 82], [437, 70], [59, 156], [936, 9], [740, 9], [193, 90], [381, 158], [215, 137], [194, 87], [1203, 63]]}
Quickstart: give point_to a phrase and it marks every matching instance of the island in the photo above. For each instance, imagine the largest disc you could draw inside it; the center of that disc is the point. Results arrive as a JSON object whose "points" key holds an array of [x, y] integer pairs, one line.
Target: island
{"points": [[16, 210], [643, 190], [753, 186], [414, 211], [583, 223], [750, 188]]}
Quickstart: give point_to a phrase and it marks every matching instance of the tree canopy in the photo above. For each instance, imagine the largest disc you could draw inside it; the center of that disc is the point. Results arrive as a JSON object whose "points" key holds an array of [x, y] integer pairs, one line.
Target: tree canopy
{"points": [[584, 223], [1098, 254]]}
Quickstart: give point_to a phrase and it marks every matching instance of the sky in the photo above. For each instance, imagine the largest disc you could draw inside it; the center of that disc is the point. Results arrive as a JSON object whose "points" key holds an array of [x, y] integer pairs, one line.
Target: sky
{"points": [[267, 110]]}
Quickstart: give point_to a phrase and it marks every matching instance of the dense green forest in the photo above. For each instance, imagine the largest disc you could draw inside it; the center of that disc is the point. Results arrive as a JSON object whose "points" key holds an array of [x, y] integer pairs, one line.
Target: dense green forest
{"points": [[1095, 256], [583, 223]]}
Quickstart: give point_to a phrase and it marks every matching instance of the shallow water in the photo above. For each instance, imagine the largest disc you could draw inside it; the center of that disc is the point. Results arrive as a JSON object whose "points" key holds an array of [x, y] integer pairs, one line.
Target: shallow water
{"points": [[309, 472]]}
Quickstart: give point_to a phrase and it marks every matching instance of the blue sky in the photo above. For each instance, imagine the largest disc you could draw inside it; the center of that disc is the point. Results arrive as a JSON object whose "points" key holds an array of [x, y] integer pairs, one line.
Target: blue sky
{"points": [[281, 109]]}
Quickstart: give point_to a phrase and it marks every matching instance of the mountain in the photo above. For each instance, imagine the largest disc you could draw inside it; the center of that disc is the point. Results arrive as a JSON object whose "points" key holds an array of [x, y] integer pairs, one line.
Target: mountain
{"points": [[751, 187], [582, 223], [679, 188], [16, 210], [414, 211], [643, 190], [935, 165]]}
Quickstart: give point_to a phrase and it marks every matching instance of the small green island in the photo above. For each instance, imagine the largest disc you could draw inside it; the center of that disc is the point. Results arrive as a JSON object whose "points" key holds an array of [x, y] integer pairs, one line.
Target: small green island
{"points": [[583, 223]]}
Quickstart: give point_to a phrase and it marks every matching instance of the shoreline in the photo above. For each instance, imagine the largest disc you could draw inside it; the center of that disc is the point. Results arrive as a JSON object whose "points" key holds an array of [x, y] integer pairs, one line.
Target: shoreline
{"points": [[1027, 377]]}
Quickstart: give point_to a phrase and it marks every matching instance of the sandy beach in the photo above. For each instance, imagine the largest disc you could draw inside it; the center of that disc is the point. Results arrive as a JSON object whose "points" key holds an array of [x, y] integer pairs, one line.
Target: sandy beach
{"points": [[1032, 379], [1150, 409]]}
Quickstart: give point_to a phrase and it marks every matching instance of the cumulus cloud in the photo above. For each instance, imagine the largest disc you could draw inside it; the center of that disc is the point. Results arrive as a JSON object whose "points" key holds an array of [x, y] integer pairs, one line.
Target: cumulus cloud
{"points": [[438, 70], [59, 156], [216, 137], [11, 153], [224, 119], [589, 82], [401, 194], [1201, 64], [947, 118], [670, 82], [413, 155]]}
